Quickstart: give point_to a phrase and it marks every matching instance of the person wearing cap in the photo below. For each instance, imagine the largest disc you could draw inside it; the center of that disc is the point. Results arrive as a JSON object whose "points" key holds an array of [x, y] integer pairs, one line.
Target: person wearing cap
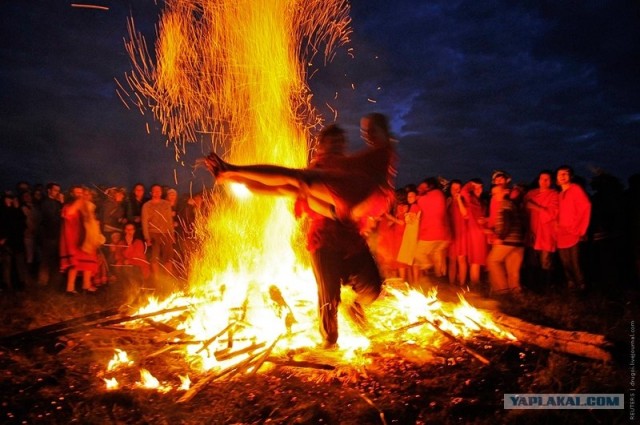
{"points": [[507, 251], [502, 179]]}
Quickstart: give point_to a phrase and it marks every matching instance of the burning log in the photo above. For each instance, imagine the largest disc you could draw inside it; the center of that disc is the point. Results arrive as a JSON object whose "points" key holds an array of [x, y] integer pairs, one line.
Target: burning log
{"points": [[213, 376], [171, 335], [160, 326], [300, 363], [582, 344], [208, 342], [265, 356], [460, 343], [93, 320], [56, 328], [226, 354], [399, 330], [278, 299]]}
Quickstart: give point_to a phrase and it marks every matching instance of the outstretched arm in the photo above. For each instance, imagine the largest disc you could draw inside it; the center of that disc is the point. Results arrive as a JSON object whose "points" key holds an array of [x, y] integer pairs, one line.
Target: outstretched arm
{"points": [[262, 174], [276, 180]]}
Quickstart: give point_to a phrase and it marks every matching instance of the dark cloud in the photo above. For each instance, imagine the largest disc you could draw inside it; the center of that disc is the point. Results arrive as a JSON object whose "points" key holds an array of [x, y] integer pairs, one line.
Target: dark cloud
{"points": [[469, 86], [472, 86]]}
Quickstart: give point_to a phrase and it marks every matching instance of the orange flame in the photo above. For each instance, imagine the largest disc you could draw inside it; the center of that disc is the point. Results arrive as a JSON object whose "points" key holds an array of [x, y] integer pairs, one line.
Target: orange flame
{"points": [[120, 358], [112, 383], [232, 74], [148, 380], [185, 382]]}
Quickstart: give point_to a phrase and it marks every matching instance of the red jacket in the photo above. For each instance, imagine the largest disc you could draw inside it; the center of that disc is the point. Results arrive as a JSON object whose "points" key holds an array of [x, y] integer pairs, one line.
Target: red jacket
{"points": [[573, 216]]}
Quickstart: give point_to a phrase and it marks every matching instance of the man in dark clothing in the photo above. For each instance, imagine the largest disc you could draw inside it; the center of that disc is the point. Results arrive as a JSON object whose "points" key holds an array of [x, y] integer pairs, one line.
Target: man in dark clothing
{"points": [[339, 254], [341, 257], [507, 251], [50, 212], [12, 227]]}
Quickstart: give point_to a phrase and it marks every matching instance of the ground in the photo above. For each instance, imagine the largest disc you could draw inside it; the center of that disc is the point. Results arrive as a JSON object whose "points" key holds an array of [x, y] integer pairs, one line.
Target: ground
{"points": [[58, 380]]}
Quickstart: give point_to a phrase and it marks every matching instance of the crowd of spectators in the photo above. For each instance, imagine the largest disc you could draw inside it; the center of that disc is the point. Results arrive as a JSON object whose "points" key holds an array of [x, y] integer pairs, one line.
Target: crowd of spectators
{"points": [[49, 236], [558, 233]]}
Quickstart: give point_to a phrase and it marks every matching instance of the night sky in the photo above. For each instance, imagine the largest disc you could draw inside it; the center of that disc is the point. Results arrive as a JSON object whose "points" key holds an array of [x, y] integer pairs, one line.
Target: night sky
{"points": [[470, 86]]}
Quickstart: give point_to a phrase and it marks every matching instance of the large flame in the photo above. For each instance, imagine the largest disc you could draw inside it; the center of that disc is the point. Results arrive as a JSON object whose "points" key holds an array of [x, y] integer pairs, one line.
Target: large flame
{"points": [[232, 74]]}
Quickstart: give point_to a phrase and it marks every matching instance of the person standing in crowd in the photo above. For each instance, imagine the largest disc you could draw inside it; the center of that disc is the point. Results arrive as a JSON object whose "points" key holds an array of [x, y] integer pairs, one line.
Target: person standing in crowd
{"points": [[32, 225], [134, 207], [172, 197], [188, 217], [632, 220], [507, 250], [50, 224], [93, 237], [131, 262], [502, 179], [606, 228], [114, 212], [384, 242], [409, 238], [574, 212], [73, 258], [433, 231], [12, 227], [158, 231], [459, 248], [542, 205], [471, 193]]}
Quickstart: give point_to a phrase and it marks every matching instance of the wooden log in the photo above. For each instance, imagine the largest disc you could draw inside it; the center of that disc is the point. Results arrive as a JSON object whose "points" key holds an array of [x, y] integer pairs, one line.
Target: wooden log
{"points": [[300, 363], [208, 342], [83, 324], [172, 335], [160, 326], [226, 354], [577, 343], [460, 343], [399, 330], [258, 364], [17, 339], [187, 396]]}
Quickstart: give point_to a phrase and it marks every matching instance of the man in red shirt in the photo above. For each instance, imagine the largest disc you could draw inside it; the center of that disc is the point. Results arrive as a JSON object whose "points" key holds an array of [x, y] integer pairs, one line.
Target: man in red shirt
{"points": [[574, 212]]}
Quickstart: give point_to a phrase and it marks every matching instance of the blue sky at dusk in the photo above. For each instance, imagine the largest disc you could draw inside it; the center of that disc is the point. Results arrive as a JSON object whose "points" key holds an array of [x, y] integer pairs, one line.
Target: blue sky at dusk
{"points": [[469, 87]]}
